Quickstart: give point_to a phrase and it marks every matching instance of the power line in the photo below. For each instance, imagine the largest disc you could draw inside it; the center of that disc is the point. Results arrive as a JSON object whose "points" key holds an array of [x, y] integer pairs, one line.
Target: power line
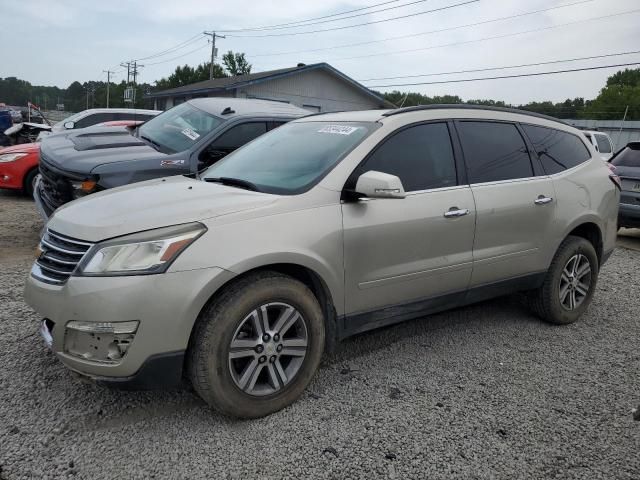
{"points": [[506, 35], [333, 20], [270, 27], [536, 74], [425, 12], [429, 32], [475, 70], [174, 48], [201, 47]]}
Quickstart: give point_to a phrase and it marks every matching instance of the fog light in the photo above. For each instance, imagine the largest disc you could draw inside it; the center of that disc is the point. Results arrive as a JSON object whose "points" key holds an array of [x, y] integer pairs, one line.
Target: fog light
{"points": [[99, 341]]}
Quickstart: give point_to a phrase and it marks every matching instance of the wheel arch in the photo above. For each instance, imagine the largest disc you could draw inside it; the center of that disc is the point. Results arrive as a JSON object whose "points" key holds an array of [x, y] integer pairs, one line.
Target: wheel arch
{"points": [[26, 176], [303, 273], [590, 230]]}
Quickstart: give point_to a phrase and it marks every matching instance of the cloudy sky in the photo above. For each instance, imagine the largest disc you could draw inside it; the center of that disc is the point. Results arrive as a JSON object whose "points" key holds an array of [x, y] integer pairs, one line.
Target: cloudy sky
{"points": [[56, 42]]}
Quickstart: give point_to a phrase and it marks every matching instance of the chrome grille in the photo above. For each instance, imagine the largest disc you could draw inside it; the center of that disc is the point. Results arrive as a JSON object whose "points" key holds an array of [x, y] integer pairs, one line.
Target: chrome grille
{"points": [[59, 258]]}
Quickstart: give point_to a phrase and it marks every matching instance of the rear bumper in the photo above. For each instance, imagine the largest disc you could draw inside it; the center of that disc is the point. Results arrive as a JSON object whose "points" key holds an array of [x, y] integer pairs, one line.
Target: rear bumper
{"points": [[629, 215]]}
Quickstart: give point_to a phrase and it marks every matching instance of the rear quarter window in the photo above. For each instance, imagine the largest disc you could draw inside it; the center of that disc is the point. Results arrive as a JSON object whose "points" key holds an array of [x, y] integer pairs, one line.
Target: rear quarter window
{"points": [[558, 150]]}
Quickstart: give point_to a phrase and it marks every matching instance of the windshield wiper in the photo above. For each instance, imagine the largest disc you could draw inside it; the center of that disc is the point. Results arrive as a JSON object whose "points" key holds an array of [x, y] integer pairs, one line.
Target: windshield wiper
{"points": [[156, 145], [234, 182]]}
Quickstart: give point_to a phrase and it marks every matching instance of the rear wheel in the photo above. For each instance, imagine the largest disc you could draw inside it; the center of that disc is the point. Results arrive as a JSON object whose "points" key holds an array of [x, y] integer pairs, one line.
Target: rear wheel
{"points": [[256, 347], [30, 182], [569, 284]]}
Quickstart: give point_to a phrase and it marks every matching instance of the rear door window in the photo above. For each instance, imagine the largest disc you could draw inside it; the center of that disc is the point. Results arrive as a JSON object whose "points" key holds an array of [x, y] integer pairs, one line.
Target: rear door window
{"points": [[604, 146], [421, 156], [494, 151], [93, 119], [557, 150]]}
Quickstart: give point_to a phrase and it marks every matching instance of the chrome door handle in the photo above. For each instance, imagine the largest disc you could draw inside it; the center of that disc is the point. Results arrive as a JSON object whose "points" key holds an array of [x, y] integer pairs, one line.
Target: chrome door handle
{"points": [[456, 212], [542, 200]]}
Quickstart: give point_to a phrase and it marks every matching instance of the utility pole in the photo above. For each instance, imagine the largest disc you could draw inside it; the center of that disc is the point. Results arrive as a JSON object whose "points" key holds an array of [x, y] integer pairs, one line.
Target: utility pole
{"points": [[108, 72], [626, 110], [213, 36]]}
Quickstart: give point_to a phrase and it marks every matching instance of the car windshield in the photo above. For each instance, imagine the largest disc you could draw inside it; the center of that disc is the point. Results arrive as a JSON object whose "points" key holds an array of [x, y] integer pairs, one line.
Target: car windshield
{"points": [[178, 129], [292, 158], [628, 157]]}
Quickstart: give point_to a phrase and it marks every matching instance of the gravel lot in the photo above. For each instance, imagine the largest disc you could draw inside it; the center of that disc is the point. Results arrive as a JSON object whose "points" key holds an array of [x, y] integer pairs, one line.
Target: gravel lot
{"points": [[486, 391]]}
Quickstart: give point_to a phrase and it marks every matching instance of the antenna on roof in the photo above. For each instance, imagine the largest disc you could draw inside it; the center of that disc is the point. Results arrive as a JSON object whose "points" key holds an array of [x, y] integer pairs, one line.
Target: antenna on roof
{"points": [[227, 111]]}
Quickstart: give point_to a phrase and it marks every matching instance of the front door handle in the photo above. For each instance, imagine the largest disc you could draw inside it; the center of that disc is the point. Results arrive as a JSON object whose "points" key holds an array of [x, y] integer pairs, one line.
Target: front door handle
{"points": [[542, 200], [456, 212]]}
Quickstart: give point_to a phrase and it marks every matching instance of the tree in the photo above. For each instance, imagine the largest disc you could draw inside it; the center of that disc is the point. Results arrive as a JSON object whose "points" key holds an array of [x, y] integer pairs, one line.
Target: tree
{"points": [[236, 63], [621, 91], [185, 75]]}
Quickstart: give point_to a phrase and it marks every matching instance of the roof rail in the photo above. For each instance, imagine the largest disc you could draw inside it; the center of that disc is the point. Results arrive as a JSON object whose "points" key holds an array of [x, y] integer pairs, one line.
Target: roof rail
{"points": [[464, 106]]}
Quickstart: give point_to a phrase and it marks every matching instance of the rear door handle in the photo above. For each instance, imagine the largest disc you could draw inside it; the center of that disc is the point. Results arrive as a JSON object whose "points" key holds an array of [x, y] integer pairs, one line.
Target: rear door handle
{"points": [[456, 212], [542, 200]]}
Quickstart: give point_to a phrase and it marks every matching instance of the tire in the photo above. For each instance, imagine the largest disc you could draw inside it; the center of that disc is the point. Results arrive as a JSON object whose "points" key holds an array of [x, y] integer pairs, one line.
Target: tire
{"points": [[546, 301], [29, 179], [232, 316]]}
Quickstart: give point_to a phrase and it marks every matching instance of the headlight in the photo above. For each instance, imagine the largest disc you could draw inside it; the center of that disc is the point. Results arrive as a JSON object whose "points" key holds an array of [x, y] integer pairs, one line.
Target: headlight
{"points": [[80, 189], [11, 157], [141, 253]]}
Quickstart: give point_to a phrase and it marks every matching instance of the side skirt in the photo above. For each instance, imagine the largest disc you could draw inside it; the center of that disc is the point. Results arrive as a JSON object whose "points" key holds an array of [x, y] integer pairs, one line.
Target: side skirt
{"points": [[349, 325]]}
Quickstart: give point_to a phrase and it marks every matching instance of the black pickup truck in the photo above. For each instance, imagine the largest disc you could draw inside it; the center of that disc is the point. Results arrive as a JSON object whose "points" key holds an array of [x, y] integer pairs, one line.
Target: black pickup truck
{"points": [[183, 140]]}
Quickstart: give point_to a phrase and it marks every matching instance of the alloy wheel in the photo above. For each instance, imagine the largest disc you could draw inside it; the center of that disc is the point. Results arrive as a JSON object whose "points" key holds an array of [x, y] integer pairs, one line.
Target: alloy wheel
{"points": [[268, 348], [575, 282]]}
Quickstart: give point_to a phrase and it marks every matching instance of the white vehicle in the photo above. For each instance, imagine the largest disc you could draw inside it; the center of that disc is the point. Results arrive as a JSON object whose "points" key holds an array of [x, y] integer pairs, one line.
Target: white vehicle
{"points": [[94, 116], [601, 142]]}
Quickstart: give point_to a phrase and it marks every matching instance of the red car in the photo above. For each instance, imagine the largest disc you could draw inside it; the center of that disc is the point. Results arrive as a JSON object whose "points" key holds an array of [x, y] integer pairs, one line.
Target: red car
{"points": [[19, 163], [19, 167]]}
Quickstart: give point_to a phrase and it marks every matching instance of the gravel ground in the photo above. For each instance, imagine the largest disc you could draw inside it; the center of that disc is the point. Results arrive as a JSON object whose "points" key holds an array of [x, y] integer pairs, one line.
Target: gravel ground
{"points": [[486, 391]]}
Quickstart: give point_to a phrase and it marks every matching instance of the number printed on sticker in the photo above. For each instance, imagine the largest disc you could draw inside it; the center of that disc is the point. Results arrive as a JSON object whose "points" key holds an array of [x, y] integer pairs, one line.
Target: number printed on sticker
{"points": [[338, 129], [193, 135]]}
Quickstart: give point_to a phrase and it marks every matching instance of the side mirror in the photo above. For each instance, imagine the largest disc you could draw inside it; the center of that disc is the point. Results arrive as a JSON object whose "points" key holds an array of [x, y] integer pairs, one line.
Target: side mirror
{"points": [[374, 184], [69, 125]]}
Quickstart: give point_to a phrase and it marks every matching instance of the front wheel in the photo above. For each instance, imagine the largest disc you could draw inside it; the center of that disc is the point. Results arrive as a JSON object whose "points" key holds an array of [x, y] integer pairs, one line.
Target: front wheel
{"points": [[569, 283], [256, 347]]}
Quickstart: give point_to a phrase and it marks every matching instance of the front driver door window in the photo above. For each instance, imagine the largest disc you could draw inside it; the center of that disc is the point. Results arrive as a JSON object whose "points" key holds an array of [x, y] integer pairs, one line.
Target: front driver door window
{"points": [[229, 140], [399, 251]]}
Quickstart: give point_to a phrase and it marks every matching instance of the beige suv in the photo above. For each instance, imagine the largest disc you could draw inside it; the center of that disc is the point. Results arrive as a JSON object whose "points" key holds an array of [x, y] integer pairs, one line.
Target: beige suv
{"points": [[323, 228]]}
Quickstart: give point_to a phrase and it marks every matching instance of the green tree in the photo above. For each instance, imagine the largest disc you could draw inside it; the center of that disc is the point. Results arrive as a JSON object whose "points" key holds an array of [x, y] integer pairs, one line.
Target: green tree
{"points": [[185, 75], [621, 91], [236, 63]]}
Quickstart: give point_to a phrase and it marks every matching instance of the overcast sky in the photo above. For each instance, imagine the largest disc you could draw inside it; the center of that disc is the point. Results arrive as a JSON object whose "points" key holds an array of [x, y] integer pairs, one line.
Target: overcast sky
{"points": [[56, 42]]}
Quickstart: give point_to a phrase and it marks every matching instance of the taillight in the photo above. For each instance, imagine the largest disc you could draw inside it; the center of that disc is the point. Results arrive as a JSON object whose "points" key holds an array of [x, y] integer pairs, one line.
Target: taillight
{"points": [[614, 176]]}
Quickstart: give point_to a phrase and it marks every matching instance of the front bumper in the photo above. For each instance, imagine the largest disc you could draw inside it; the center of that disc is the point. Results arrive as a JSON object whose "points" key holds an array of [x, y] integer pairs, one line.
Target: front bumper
{"points": [[166, 305], [43, 211]]}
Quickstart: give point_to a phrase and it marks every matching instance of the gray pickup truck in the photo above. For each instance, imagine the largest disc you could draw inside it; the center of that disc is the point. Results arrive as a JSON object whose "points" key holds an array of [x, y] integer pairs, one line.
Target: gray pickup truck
{"points": [[184, 140]]}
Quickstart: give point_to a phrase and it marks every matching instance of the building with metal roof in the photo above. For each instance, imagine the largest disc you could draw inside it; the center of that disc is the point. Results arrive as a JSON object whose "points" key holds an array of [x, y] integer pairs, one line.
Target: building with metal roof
{"points": [[318, 88]]}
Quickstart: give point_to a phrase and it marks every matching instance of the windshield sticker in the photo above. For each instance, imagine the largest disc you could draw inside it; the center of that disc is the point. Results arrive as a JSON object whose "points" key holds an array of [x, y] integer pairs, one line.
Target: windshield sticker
{"points": [[187, 132], [166, 163], [338, 129]]}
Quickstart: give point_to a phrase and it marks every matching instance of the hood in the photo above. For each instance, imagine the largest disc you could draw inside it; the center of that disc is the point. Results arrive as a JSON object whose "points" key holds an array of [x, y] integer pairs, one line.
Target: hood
{"points": [[152, 204], [83, 150], [22, 148]]}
